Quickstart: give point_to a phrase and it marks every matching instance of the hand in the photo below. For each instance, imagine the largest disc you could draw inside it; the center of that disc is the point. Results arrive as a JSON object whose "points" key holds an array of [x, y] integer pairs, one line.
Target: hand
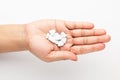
{"points": [[81, 39]]}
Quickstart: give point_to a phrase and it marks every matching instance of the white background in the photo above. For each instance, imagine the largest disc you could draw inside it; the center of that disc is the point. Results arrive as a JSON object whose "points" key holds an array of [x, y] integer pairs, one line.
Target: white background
{"points": [[103, 65]]}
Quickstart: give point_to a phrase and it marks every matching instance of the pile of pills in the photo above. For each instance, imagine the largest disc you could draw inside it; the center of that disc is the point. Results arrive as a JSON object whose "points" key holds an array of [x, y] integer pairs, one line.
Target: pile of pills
{"points": [[56, 38]]}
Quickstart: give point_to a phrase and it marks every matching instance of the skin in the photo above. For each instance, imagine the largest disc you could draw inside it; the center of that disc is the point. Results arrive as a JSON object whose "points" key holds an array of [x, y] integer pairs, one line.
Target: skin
{"points": [[82, 38]]}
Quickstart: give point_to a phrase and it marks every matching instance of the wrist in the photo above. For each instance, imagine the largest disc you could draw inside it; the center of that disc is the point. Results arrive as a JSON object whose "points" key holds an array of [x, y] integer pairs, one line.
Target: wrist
{"points": [[24, 39], [13, 37]]}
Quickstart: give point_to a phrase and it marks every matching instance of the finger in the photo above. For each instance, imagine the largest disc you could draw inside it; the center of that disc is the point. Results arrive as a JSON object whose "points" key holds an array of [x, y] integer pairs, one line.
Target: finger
{"points": [[91, 32], [60, 55], [91, 40], [78, 25], [87, 48]]}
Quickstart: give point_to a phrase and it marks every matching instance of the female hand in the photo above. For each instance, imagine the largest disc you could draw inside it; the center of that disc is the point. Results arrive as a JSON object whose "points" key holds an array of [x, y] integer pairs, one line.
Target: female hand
{"points": [[81, 39]]}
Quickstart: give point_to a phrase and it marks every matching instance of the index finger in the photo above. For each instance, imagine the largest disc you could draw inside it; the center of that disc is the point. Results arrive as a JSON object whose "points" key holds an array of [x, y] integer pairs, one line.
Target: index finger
{"points": [[78, 25]]}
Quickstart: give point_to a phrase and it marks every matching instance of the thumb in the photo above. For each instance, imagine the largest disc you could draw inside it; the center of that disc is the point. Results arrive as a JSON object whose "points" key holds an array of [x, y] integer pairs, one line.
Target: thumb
{"points": [[60, 55]]}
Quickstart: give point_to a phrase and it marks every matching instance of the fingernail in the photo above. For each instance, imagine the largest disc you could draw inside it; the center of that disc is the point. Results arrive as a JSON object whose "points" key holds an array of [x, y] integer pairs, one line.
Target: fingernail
{"points": [[75, 59]]}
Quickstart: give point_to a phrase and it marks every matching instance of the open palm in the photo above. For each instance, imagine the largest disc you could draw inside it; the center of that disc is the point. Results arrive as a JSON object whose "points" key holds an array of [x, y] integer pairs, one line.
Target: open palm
{"points": [[81, 38]]}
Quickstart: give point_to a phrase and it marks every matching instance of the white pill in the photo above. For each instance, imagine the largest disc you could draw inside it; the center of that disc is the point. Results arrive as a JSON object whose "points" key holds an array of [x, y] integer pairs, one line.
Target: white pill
{"points": [[57, 37], [63, 34], [52, 39], [56, 42], [60, 43], [52, 32], [64, 40]]}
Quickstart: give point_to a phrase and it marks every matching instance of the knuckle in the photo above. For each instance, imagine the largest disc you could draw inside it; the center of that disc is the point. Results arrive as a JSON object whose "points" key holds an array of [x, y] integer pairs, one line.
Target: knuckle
{"points": [[85, 40], [82, 32], [81, 50], [93, 32], [92, 25]]}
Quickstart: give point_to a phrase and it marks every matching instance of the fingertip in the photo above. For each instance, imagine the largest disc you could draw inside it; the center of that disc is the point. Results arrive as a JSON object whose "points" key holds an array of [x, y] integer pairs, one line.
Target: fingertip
{"points": [[102, 31], [101, 46], [108, 38], [91, 25], [74, 57]]}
